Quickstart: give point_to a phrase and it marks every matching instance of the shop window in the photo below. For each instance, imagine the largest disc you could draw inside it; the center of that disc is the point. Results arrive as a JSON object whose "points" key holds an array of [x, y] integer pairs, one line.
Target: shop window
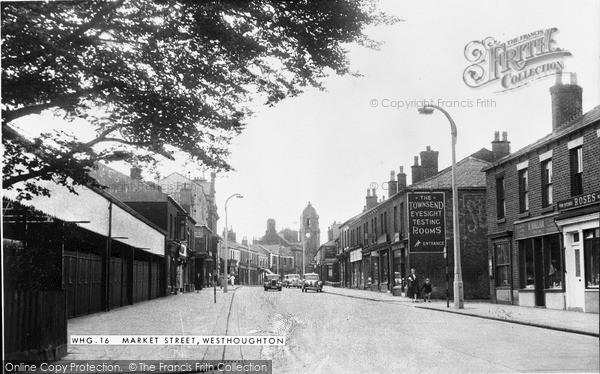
{"points": [[523, 191], [547, 183], [500, 198], [502, 260], [576, 171], [591, 252], [374, 271], [552, 262], [526, 263]]}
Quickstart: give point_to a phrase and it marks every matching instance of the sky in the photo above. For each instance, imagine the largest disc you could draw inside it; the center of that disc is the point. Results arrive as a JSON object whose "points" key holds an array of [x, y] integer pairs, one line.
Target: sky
{"points": [[328, 148]]}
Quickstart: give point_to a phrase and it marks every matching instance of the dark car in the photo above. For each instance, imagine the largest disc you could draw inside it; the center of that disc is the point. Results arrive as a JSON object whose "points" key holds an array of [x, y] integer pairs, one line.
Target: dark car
{"points": [[312, 282], [272, 282]]}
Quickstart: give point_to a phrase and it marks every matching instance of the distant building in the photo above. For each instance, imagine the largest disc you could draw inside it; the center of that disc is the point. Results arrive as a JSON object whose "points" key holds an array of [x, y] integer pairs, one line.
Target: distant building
{"points": [[273, 238], [309, 228]]}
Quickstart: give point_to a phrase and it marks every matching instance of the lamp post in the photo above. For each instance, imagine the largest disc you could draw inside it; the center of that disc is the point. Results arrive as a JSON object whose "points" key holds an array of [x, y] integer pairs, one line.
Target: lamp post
{"points": [[226, 250], [458, 282]]}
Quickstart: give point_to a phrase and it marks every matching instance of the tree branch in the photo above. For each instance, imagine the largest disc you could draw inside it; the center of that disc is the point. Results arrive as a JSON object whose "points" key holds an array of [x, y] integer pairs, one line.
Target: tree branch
{"points": [[11, 115]]}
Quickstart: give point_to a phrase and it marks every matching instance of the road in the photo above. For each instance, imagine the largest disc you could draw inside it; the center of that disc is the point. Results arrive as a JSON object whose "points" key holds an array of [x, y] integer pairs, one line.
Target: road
{"points": [[328, 333]]}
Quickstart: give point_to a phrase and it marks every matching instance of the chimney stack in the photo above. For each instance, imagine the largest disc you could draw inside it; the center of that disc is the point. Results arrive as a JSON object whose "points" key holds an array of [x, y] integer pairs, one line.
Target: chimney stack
{"points": [[392, 185], [245, 241], [417, 172], [429, 162], [566, 101], [500, 148], [401, 179], [135, 173], [371, 199]]}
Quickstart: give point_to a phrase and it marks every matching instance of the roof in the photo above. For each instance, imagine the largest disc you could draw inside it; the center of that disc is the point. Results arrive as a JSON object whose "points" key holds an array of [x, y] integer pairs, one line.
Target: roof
{"points": [[277, 249], [328, 244], [575, 125], [468, 174]]}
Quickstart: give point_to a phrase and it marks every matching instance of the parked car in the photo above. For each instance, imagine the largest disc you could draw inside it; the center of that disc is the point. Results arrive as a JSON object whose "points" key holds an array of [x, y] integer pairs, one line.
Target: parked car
{"points": [[272, 281], [312, 282], [292, 280]]}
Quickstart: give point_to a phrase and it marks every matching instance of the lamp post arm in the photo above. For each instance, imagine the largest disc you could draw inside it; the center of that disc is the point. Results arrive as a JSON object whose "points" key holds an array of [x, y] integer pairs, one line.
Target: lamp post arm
{"points": [[453, 130]]}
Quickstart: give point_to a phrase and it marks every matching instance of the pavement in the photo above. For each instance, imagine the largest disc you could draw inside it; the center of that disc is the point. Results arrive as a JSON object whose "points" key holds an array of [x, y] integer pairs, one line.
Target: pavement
{"points": [[561, 320]]}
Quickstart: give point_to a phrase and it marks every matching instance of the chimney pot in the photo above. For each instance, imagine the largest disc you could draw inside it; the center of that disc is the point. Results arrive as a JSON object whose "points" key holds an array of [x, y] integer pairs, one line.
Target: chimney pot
{"points": [[504, 136], [497, 136], [401, 169], [416, 161], [428, 148], [574, 78]]}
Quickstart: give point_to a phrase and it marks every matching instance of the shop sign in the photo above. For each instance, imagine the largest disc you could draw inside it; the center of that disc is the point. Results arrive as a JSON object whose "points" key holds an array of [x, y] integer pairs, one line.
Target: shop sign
{"points": [[382, 239], [538, 227], [396, 237], [426, 222], [580, 201], [356, 255]]}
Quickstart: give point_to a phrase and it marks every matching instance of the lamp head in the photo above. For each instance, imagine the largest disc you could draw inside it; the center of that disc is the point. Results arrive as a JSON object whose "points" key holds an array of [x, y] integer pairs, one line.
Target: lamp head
{"points": [[239, 196], [425, 110]]}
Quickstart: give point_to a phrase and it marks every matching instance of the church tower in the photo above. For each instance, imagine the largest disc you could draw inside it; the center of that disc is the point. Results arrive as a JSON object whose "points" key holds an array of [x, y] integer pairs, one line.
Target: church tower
{"points": [[310, 226]]}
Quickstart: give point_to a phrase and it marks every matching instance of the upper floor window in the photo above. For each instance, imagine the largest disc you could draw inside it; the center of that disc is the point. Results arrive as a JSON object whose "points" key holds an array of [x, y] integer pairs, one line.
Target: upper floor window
{"points": [[395, 219], [546, 183], [576, 171], [523, 190], [500, 198]]}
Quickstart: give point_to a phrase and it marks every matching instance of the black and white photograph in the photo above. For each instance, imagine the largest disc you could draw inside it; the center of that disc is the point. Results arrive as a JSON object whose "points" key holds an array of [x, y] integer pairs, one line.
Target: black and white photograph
{"points": [[303, 186]]}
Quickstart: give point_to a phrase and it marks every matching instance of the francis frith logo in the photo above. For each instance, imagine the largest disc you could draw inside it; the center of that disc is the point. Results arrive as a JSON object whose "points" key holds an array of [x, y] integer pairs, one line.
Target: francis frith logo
{"points": [[513, 63]]}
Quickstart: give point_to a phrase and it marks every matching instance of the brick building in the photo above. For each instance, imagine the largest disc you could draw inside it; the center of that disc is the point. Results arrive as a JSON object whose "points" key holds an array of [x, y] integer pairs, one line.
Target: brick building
{"points": [[374, 248], [543, 212]]}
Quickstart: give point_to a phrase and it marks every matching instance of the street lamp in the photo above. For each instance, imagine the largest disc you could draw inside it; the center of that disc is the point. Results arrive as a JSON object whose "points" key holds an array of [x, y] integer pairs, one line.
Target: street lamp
{"points": [[227, 232], [458, 282]]}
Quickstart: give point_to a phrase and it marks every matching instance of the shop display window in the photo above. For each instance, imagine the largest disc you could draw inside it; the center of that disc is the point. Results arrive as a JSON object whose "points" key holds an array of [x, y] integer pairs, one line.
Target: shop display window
{"points": [[526, 261], [552, 262]]}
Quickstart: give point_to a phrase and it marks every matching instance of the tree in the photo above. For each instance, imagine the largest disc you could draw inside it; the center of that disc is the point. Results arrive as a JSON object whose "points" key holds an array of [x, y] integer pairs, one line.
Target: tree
{"points": [[155, 77]]}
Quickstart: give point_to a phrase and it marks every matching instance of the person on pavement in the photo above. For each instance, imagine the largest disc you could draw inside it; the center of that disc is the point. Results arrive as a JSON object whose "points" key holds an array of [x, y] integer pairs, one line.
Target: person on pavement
{"points": [[413, 285]]}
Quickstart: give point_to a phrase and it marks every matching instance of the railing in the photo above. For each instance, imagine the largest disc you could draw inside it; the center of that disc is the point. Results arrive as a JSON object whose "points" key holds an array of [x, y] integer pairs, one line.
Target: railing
{"points": [[36, 325]]}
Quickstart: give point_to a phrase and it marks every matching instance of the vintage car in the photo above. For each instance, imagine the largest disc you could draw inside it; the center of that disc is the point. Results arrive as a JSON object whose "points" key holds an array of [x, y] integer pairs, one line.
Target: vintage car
{"points": [[311, 282], [292, 280], [272, 282]]}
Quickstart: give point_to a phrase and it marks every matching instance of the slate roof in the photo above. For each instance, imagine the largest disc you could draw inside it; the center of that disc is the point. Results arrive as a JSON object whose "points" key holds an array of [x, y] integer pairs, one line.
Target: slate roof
{"points": [[576, 124], [468, 174]]}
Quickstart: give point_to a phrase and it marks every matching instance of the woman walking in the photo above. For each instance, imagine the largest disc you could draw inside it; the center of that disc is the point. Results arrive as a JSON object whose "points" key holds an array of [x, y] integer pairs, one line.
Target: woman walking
{"points": [[413, 285]]}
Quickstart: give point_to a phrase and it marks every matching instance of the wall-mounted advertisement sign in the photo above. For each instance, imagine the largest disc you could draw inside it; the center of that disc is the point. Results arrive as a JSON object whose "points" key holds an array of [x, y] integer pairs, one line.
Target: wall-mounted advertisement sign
{"points": [[426, 223]]}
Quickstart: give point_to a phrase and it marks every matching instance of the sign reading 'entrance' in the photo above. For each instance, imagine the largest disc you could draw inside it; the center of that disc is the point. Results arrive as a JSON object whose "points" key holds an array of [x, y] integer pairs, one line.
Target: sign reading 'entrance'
{"points": [[426, 224]]}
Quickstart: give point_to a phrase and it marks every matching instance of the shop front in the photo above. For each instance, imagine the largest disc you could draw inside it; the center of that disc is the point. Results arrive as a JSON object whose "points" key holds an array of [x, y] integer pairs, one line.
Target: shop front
{"points": [[540, 263], [355, 275], [580, 225], [398, 263]]}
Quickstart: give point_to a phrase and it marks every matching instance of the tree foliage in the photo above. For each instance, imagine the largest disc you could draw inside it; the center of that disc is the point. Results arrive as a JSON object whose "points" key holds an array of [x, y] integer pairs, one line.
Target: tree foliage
{"points": [[158, 77]]}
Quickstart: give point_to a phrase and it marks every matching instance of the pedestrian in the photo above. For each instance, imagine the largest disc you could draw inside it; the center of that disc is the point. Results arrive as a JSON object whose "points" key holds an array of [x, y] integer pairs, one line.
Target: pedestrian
{"points": [[426, 290], [198, 282], [413, 285], [233, 280]]}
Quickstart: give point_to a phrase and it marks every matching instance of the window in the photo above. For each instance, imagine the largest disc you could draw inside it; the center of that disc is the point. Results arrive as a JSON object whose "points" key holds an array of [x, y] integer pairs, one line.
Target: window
{"points": [[526, 261], [552, 262], [395, 219], [576, 171], [500, 198], [502, 264], [375, 227], [546, 183], [523, 191], [385, 228], [591, 252]]}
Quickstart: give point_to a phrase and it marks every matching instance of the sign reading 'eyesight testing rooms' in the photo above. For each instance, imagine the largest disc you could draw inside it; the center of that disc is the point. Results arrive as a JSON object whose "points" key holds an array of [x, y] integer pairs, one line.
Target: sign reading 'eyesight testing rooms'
{"points": [[426, 224]]}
